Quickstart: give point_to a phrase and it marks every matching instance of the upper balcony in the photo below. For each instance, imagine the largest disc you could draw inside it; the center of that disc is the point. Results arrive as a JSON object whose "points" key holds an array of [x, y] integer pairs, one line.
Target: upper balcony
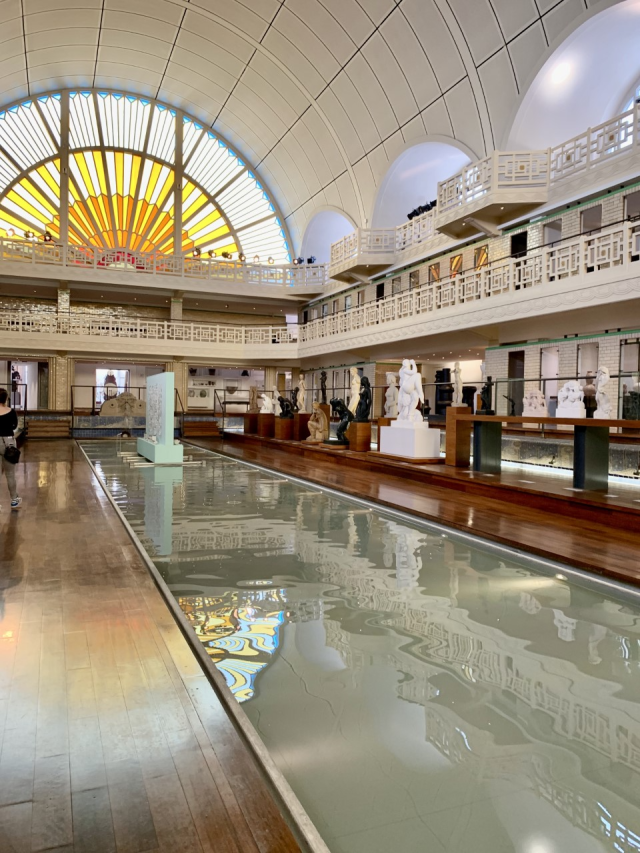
{"points": [[489, 193], [50, 260], [497, 190], [588, 270], [45, 332]]}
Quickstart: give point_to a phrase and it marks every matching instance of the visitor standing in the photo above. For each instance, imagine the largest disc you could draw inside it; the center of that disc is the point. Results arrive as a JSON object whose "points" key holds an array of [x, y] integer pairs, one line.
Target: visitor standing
{"points": [[8, 426]]}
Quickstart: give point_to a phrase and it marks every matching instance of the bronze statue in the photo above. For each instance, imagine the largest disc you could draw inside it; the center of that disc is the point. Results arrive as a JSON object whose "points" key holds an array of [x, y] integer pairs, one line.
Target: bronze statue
{"points": [[363, 409], [486, 396], [323, 387], [341, 410], [286, 409]]}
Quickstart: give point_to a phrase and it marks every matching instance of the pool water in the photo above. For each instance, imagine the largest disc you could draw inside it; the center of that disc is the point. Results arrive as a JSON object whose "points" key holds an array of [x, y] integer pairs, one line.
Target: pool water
{"points": [[420, 690]]}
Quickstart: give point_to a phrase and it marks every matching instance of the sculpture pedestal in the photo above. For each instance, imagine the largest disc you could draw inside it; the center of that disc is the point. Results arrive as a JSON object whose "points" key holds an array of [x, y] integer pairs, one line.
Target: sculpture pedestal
{"points": [[411, 440], [161, 454], [458, 438], [266, 424], [578, 411], [284, 429], [385, 422], [300, 428], [250, 423], [359, 435]]}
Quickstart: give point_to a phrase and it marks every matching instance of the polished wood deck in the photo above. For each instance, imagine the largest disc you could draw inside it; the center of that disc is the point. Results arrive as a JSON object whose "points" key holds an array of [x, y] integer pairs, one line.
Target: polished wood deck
{"points": [[473, 507], [112, 739]]}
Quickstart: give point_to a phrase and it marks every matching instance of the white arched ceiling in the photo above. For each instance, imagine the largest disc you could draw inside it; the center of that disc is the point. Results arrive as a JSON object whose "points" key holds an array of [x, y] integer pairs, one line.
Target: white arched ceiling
{"points": [[584, 82], [412, 180], [320, 96], [324, 228]]}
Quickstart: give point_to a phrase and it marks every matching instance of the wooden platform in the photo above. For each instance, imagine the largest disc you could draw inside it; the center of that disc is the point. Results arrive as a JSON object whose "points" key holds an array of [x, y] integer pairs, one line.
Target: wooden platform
{"points": [[593, 532], [204, 428], [388, 457], [113, 740], [48, 428]]}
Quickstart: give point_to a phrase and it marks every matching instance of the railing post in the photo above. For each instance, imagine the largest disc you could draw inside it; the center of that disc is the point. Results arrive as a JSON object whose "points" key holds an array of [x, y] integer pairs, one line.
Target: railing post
{"points": [[166, 331]]}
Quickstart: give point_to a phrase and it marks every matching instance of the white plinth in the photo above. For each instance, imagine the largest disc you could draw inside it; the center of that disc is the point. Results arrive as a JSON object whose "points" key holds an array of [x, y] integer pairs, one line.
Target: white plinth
{"points": [[571, 411], [413, 440]]}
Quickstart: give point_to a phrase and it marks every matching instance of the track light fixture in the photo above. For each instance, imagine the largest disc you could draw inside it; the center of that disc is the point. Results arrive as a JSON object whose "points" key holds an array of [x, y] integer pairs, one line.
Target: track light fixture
{"points": [[256, 259], [242, 258], [196, 252], [47, 237], [29, 235], [270, 260], [311, 260], [211, 253], [226, 256]]}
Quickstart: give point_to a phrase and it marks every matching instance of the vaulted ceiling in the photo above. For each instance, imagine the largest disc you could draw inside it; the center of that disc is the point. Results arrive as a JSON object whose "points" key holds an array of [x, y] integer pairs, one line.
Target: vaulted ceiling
{"points": [[318, 95]]}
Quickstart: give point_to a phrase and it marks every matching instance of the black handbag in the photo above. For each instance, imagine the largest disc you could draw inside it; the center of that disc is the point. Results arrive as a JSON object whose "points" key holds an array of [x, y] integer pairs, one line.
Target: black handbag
{"points": [[12, 454]]}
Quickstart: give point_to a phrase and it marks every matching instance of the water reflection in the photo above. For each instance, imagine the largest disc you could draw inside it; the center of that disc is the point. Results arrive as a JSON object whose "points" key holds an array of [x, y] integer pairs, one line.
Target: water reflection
{"points": [[415, 691]]}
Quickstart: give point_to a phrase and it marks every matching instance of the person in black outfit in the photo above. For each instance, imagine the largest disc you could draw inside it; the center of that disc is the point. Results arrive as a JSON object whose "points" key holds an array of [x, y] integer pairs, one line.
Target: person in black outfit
{"points": [[8, 425]]}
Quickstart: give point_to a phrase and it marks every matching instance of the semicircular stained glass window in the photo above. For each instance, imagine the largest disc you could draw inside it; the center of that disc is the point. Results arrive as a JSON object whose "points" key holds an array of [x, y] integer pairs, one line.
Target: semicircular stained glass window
{"points": [[139, 176]]}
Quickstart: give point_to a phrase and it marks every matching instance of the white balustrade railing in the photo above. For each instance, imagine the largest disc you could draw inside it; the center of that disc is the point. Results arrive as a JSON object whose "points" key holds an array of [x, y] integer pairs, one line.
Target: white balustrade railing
{"points": [[505, 170], [614, 247], [87, 325], [155, 263], [363, 241]]}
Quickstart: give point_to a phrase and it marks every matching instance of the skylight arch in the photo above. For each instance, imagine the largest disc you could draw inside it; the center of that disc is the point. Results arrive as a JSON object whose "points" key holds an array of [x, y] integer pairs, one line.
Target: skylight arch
{"points": [[99, 168]]}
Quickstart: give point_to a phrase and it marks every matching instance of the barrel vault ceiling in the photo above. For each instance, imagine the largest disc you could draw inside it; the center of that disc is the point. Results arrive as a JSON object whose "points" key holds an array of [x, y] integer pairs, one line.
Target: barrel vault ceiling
{"points": [[318, 95]]}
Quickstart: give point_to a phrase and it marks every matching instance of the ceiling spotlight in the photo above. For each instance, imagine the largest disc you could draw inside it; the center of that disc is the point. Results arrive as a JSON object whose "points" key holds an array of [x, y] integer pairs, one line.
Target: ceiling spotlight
{"points": [[47, 237], [211, 253], [196, 252], [242, 258], [311, 260], [270, 260], [11, 232], [226, 256], [29, 235], [256, 259]]}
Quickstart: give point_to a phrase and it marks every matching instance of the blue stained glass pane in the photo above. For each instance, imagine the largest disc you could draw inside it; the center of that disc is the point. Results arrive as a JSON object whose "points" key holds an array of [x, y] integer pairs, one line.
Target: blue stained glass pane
{"points": [[15, 109], [58, 97], [103, 94], [86, 94], [173, 112], [161, 108], [117, 96], [144, 102], [131, 99]]}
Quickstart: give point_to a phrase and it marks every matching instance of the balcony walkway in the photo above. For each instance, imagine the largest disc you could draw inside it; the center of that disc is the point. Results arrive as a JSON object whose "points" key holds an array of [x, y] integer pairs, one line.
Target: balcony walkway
{"points": [[112, 738]]}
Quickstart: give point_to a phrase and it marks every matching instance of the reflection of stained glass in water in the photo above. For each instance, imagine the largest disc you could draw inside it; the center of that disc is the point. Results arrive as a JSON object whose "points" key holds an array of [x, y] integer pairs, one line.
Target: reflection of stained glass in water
{"points": [[241, 638]]}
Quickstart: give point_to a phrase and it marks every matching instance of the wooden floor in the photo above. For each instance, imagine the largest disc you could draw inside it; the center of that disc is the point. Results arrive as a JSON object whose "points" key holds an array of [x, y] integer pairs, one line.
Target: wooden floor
{"points": [[593, 545], [112, 738]]}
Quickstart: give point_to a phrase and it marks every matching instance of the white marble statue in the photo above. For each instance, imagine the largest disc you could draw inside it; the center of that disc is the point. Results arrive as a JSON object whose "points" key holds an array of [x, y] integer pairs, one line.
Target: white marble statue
{"points": [[604, 410], [410, 393], [391, 397], [457, 385], [276, 405], [534, 404], [571, 401], [355, 391], [302, 394], [267, 405]]}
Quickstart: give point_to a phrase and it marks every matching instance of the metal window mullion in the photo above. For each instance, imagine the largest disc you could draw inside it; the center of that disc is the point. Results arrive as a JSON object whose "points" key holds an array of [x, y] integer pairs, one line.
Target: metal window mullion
{"points": [[64, 169], [178, 175]]}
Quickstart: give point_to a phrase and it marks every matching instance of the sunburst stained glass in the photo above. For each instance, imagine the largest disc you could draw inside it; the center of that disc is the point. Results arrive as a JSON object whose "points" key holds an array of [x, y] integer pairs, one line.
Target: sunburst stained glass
{"points": [[141, 176]]}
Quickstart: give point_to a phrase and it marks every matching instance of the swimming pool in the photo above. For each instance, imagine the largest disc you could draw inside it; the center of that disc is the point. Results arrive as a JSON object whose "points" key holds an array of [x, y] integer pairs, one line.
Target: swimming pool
{"points": [[417, 688]]}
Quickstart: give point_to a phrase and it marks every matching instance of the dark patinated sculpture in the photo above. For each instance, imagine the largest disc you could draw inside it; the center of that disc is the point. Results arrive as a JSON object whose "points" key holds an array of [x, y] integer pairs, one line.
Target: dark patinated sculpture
{"points": [[363, 410], [340, 409], [294, 399], [512, 405], [286, 409], [486, 395], [323, 387]]}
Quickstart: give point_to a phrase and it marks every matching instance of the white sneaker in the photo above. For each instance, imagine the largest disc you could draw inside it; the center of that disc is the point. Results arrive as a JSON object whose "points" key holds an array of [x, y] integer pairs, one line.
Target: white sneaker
{"points": [[16, 503]]}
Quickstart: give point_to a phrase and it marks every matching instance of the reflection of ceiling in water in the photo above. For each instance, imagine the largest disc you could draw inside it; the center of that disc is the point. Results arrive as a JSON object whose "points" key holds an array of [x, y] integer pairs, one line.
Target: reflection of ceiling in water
{"points": [[552, 665], [241, 636]]}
